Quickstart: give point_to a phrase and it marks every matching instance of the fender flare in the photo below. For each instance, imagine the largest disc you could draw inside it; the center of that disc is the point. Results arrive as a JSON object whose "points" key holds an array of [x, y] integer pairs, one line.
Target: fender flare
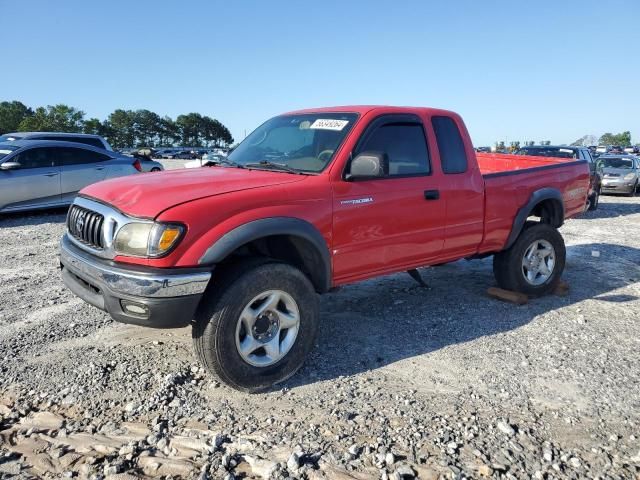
{"points": [[266, 227], [525, 211]]}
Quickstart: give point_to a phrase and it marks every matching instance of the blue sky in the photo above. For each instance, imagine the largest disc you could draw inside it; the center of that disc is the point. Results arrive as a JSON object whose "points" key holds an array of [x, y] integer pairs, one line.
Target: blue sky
{"points": [[515, 70]]}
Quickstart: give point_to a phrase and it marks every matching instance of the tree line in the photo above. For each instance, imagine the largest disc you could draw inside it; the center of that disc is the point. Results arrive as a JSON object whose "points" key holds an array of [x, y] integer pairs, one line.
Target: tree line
{"points": [[122, 128]]}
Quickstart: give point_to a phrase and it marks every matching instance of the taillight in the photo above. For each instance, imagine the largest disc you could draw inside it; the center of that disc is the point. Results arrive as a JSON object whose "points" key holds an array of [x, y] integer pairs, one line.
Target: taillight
{"points": [[137, 165]]}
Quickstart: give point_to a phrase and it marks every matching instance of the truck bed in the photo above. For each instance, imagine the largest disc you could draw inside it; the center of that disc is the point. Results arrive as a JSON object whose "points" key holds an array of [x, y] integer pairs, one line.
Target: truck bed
{"points": [[511, 179]]}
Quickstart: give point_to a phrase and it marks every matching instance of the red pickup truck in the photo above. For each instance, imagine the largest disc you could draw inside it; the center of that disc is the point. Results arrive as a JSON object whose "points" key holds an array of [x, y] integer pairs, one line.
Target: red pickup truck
{"points": [[311, 200]]}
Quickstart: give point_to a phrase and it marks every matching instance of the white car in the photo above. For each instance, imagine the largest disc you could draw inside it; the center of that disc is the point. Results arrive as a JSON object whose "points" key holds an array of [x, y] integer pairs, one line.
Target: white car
{"points": [[207, 159]]}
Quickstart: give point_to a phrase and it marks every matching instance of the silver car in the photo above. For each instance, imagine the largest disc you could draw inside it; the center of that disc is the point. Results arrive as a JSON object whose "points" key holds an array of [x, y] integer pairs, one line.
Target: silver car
{"points": [[621, 174], [44, 174]]}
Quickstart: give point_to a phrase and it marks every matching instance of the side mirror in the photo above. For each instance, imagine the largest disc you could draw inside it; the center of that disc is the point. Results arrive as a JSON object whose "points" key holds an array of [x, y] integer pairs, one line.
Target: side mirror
{"points": [[10, 166], [368, 165]]}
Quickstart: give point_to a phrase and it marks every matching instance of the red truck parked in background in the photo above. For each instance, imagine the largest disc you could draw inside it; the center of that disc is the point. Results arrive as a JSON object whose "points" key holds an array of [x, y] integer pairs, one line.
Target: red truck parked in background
{"points": [[311, 200]]}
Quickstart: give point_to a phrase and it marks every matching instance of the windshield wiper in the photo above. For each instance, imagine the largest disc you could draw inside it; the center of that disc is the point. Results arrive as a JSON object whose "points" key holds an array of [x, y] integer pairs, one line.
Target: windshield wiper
{"points": [[273, 166]]}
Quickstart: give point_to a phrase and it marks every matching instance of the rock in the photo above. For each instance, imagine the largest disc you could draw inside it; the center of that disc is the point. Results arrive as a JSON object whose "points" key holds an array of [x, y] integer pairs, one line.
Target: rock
{"points": [[293, 463], [10, 468], [485, 470], [155, 466], [43, 421], [405, 471], [505, 428], [389, 458], [574, 462], [260, 467]]}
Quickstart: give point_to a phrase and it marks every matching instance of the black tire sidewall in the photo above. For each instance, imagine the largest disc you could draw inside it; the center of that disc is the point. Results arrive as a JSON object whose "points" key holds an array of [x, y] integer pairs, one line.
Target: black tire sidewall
{"points": [[509, 263], [219, 333]]}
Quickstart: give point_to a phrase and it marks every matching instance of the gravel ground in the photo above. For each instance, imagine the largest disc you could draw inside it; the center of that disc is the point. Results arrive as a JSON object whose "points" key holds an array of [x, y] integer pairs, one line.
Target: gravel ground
{"points": [[405, 381]]}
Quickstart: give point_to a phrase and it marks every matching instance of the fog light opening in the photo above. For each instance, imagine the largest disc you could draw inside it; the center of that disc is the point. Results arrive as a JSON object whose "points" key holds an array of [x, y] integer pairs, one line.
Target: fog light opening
{"points": [[136, 309]]}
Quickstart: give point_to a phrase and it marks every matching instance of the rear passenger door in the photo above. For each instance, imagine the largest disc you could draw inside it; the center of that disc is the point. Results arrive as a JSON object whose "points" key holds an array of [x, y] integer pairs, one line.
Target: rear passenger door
{"points": [[462, 186], [35, 184], [80, 167]]}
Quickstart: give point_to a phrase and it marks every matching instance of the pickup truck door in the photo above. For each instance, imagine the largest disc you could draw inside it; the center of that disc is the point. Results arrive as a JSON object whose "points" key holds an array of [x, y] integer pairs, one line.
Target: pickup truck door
{"points": [[35, 184], [391, 223], [462, 187], [80, 167]]}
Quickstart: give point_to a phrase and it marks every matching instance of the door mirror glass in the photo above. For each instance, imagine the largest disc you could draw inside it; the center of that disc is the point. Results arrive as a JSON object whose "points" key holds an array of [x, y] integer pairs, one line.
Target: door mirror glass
{"points": [[369, 165], [10, 166]]}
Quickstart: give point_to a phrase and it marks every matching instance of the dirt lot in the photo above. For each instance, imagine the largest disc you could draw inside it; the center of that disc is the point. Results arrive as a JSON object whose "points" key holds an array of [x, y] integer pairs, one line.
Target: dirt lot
{"points": [[404, 382]]}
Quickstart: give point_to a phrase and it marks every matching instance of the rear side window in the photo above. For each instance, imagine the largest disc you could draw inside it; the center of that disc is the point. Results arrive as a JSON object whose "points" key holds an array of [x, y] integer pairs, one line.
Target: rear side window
{"points": [[450, 145], [94, 142], [405, 145], [79, 156]]}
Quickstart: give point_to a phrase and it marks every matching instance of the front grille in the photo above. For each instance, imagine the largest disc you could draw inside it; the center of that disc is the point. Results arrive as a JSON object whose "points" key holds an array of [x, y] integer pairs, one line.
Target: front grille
{"points": [[86, 226]]}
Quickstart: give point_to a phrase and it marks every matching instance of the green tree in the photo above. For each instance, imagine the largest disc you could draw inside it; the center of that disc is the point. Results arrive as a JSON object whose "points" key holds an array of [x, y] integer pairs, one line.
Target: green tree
{"points": [[95, 127], [191, 129], [121, 125], [11, 115], [53, 118], [623, 139], [147, 126]]}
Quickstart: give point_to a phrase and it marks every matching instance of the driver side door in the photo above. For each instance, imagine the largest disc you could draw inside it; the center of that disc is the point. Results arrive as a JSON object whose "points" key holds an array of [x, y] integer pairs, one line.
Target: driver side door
{"points": [[35, 184]]}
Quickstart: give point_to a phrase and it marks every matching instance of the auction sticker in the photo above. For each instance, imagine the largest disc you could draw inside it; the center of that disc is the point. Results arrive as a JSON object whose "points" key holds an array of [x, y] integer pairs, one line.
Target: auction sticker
{"points": [[329, 124]]}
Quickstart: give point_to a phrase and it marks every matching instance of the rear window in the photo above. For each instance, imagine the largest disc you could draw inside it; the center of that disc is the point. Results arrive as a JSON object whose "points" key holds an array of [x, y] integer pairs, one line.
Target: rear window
{"points": [[452, 154], [9, 138], [94, 142], [549, 152]]}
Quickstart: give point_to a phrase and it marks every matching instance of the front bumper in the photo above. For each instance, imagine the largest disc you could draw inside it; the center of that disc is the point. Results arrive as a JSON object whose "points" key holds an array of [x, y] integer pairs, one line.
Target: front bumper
{"points": [[152, 297], [616, 186]]}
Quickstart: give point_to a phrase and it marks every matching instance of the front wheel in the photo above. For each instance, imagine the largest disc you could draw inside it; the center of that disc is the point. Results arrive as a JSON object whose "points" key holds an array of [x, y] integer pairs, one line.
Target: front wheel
{"points": [[593, 201], [258, 326], [534, 263]]}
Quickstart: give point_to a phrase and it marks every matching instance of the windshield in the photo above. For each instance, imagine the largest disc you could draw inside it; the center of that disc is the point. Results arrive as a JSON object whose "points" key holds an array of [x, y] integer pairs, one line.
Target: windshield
{"points": [[625, 163], [548, 152], [305, 142], [6, 150]]}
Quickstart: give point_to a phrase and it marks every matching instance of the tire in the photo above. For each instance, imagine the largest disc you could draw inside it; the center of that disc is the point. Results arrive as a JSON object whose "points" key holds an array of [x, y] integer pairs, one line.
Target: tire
{"points": [[594, 200], [155, 169], [509, 265], [219, 333]]}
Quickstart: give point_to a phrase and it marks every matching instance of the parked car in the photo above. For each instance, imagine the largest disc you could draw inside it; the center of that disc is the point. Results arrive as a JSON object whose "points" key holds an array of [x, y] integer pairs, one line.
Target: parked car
{"points": [[184, 155], [87, 139], [577, 153], [44, 174], [309, 201], [632, 150], [207, 160], [148, 164], [621, 174]]}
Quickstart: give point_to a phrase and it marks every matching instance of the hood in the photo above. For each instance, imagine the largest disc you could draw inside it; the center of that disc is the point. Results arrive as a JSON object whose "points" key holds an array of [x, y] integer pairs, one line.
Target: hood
{"points": [[149, 194]]}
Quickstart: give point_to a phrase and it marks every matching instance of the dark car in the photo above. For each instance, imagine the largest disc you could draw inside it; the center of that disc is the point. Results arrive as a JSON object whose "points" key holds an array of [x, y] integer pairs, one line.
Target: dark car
{"points": [[184, 155], [578, 153]]}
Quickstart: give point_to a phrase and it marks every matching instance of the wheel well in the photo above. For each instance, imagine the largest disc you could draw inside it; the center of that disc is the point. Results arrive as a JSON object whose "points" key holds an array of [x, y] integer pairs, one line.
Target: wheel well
{"points": [[291, 249], [549, 211]]}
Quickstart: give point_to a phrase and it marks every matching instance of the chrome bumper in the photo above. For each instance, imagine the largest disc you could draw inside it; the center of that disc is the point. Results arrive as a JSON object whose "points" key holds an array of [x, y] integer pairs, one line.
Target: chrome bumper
{"points": [[129, 281]]}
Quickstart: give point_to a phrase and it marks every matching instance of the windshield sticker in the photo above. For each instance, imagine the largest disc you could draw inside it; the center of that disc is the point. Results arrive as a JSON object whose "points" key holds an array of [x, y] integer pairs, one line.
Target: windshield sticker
{"points": [[329, 124], [5, 152]]}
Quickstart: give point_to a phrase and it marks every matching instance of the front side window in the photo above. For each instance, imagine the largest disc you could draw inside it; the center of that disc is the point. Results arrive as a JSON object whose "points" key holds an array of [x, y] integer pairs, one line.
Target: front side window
{"points": [[405, 146], [37, 158], [305, 143], [452, 153]]}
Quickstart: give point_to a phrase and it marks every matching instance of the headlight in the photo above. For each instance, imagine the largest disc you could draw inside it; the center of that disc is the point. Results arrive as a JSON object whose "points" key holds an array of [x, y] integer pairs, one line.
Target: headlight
{"points": [[147, 239], [629, 176]]}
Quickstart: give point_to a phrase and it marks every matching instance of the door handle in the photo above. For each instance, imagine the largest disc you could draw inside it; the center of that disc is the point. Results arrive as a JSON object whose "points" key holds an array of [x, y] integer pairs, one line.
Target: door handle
{"points": [[431, 194], [99, 168], [51, 174]]}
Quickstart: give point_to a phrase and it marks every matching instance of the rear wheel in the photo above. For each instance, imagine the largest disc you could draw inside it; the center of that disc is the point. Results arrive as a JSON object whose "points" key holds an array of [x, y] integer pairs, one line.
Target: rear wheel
{"points": [[258, 326], [155, 169], [534, 263]]}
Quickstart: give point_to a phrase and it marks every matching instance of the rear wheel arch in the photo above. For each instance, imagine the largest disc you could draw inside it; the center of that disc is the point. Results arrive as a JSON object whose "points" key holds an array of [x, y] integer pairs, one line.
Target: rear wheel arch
{"points": [[287, 239], [547, 204]]}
